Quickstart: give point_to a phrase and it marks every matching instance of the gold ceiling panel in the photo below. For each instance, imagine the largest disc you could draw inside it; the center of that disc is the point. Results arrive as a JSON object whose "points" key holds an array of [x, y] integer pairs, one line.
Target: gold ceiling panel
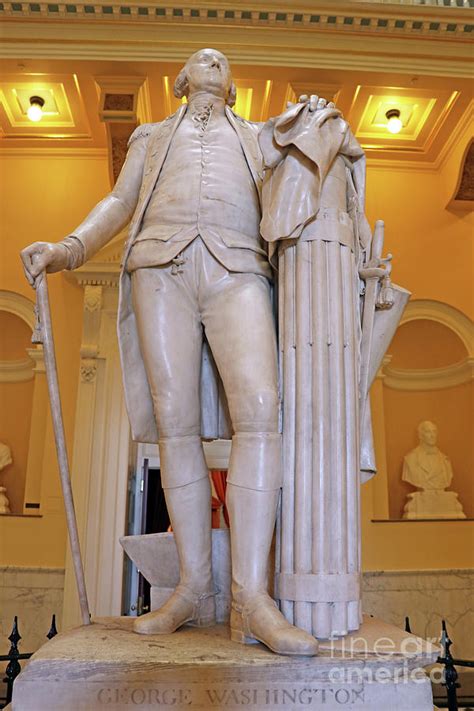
{"points": [[171, 103], [64, 113], [330, 92], [123, 98], [253, 98], [79, 94], [422, 113]]}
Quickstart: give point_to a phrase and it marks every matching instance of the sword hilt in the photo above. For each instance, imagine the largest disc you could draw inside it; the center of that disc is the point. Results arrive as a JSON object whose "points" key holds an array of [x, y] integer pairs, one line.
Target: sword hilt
{"points": [[377, 241]]}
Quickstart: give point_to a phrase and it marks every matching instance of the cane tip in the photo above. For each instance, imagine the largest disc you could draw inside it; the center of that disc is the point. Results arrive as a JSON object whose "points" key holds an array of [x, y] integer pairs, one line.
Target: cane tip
{"points": [[379, 223]]}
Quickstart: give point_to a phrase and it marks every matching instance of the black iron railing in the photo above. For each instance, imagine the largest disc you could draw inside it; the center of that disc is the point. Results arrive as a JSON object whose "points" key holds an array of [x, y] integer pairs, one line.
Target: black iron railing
{"points": [[450, 674], [14, 656]]}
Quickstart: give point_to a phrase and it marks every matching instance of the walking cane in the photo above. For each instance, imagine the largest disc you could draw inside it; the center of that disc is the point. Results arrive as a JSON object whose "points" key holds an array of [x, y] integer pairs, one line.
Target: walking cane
{"points": [[43, 334]]}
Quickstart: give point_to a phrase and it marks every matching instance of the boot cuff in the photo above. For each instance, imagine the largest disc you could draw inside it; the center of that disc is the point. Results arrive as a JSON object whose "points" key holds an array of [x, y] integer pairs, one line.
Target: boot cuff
{"points": [[255, 461], [181, 461]]}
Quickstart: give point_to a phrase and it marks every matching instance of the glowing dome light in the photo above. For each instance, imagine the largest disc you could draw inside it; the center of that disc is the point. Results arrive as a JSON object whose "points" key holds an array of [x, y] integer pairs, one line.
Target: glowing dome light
{"points": [[35, 112], [394, 123]]}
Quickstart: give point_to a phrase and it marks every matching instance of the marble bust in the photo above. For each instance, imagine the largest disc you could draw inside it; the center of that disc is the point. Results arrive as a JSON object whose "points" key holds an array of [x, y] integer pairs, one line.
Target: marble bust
{"points": [[5, 460], [430, 470]]}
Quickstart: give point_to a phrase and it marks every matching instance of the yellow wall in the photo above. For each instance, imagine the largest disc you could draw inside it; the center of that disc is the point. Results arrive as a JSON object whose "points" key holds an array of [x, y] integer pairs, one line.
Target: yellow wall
{"points": [[407, 545], [44, 198], [432, 246], [432, 250]]}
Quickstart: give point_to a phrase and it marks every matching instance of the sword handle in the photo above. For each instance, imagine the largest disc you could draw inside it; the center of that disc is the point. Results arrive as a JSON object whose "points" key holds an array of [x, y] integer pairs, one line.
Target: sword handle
{"points": [[377, 241]]}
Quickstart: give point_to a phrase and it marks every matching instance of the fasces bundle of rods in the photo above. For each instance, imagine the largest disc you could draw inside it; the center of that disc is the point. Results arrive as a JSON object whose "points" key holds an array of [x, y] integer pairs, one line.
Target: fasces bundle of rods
{"points": [[318, 551]]}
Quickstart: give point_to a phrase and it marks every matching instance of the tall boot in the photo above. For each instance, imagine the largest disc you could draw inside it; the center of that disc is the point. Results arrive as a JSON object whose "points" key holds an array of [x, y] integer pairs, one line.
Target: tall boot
{"points": [[187, 490], [253, 490]]}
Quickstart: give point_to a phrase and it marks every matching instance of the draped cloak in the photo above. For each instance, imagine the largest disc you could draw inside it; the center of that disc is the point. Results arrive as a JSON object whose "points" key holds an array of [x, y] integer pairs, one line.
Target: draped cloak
{"points": [[300, 147]]}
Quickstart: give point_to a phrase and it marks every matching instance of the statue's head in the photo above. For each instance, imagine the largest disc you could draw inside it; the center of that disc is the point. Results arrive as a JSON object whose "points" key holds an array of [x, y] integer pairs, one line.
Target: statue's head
{"points": [[206, 70], [428, 432], [5, 455]]}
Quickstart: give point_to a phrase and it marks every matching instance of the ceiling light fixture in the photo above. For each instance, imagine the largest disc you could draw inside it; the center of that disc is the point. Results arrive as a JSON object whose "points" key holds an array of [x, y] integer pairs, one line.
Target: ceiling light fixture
{"points": [[35, 112], [394, 122]]}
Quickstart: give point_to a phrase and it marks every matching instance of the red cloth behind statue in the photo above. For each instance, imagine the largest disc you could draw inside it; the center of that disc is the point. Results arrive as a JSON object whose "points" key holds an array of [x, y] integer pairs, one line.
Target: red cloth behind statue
{"points": [[219, 480]]}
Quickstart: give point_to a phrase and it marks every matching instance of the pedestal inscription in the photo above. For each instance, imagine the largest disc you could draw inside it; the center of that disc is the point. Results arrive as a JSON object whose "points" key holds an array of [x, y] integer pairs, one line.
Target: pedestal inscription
{"points": [[107, 667]]}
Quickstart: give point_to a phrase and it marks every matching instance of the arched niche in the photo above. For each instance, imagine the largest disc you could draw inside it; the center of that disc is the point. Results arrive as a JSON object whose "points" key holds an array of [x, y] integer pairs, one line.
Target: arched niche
{"points": [[20, 367], [19, 305], [445, 314], [427, 375]]}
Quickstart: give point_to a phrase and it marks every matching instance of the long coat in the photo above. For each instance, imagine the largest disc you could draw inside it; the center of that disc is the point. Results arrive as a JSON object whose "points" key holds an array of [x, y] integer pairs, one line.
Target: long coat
{"points": [[129, 199]]}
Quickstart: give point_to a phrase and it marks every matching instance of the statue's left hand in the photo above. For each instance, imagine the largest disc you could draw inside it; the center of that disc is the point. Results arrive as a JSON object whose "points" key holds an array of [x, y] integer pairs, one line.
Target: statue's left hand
{"points": [[315, 103]]}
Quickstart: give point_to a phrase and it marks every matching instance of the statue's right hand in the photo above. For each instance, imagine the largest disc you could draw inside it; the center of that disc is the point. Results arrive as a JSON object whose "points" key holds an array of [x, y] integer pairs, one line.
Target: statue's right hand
{"points": [[43, 255]]}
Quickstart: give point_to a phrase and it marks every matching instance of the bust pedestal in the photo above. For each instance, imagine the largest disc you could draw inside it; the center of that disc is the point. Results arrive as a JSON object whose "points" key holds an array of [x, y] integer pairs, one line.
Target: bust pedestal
{"points": [[4, 503], [433, 503]]}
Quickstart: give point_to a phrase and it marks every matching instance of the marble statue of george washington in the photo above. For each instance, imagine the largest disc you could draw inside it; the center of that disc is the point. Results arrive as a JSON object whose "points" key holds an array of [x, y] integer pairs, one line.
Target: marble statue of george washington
{"points": [[196, 271]]}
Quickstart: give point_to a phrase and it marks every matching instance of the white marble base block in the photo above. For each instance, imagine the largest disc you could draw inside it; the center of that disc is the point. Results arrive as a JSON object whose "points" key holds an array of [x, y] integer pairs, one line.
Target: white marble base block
{"points": [[107, 666], [433, 504]]}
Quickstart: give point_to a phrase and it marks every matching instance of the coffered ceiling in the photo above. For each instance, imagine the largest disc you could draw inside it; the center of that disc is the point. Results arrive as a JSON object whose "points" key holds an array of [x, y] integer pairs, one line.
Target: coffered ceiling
{"points": [[396, 65]]}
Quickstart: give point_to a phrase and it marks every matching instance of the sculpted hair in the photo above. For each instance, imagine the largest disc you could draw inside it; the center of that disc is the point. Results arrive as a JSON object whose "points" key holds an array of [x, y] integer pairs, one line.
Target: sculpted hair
{"points": [[181, 88]]}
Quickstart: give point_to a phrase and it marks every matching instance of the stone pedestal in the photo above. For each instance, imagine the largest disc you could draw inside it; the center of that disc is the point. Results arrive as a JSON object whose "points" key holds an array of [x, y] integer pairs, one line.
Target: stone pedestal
{"points": [[106, 666], [433, 503]]}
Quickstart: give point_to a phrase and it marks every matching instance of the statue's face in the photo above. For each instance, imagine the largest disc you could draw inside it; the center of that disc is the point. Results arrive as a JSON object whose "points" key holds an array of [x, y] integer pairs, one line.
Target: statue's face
{"points": [[208, 70], [428, 433]]}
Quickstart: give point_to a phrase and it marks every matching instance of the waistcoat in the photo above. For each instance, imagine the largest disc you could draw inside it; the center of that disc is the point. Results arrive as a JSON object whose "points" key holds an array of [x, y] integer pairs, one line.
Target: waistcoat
{"points": [[205, 182]]}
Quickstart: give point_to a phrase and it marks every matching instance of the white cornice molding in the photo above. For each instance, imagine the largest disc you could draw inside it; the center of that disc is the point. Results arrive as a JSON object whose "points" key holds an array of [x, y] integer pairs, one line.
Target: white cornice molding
{"points": [[429, 378], [338, 35], [16, 371], [415, 3], [353, 56], [341, 15]]}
